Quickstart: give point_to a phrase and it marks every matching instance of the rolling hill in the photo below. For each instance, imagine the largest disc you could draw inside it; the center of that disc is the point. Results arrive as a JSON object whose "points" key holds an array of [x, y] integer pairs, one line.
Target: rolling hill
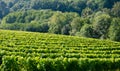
{"points": [[28, 51]]}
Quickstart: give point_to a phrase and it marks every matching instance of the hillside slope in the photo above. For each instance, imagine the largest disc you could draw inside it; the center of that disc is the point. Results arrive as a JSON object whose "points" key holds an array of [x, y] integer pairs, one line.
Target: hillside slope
{"points": [[42, 52]]}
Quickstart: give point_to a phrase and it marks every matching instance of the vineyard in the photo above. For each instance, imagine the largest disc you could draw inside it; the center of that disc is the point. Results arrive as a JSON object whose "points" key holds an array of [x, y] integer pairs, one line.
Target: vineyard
{"points": [[28, 51]]}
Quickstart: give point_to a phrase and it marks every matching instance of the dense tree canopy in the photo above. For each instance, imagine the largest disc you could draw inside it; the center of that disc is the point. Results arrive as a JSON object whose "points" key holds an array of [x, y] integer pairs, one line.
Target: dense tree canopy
{"points": [[56, 5], [114, 30], [88, 18]]}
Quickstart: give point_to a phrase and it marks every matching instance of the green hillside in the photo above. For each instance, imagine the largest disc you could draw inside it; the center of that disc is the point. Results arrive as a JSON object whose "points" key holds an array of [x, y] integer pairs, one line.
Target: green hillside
{"points": [[28, 51], [98, 19]]}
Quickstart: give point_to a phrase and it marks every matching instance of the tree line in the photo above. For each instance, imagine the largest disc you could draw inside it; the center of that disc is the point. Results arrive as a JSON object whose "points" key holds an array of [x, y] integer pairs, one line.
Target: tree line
{"points": [[88, 18], [7, 6]]}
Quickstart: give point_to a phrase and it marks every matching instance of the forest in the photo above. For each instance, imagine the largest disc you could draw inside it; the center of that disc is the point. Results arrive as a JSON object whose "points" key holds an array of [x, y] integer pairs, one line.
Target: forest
{"points": [[85, 18]]}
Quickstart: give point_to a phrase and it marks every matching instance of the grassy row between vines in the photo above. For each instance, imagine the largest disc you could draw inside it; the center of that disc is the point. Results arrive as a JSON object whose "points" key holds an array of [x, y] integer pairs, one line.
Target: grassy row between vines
{"points": [[28, 51]]}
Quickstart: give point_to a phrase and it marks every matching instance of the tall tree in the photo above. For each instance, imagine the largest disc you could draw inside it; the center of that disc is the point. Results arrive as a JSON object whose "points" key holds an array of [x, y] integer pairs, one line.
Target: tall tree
{"points": [[116, 10], [101, 24], [114, 30]]}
